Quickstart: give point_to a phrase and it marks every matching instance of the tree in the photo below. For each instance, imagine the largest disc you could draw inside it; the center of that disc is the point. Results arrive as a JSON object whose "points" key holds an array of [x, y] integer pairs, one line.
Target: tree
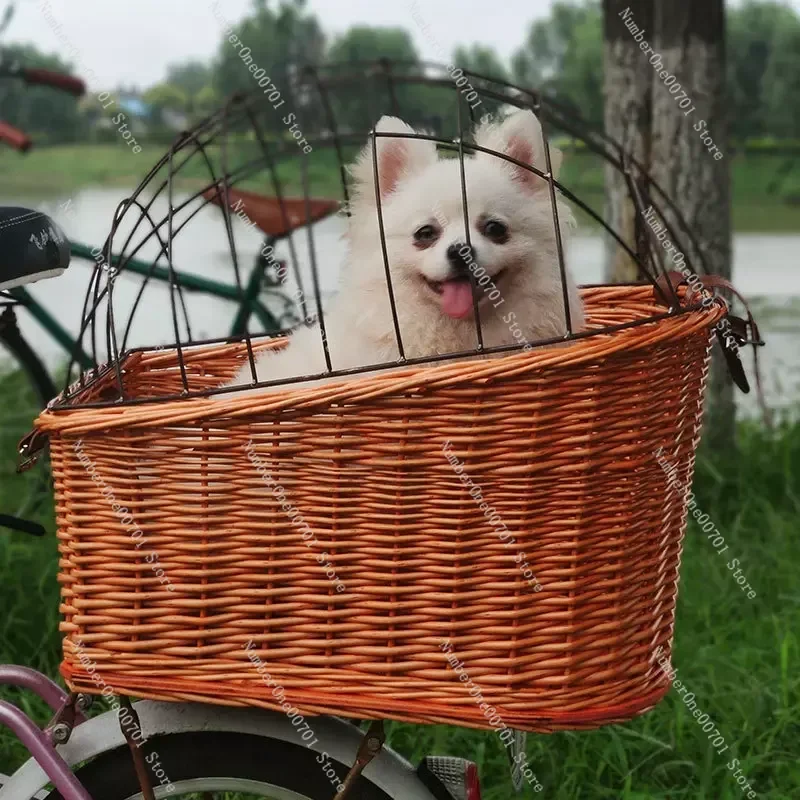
{"points": [[563, 56], [782, 82], [364, 43], [628, 91], [276, 40], [480, 59], [582, 76], [206, 101], [190, 78], [689, 36], [358, 107], [164, 97], [756, 45]]}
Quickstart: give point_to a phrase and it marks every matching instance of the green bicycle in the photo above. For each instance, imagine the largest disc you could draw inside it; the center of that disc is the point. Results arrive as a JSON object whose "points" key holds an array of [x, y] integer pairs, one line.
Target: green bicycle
{"points": [[28, 385]]}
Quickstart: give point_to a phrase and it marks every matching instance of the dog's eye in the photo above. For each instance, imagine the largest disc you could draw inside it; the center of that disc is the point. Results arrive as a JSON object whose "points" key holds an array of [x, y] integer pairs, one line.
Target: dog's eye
{"points": [[496, 231], [426, 234]]}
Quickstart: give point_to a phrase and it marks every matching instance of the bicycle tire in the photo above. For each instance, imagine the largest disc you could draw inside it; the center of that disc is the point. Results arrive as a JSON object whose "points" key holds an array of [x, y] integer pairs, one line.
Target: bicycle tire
{"points": [[36, 377], [285, 769], [12, 339]]}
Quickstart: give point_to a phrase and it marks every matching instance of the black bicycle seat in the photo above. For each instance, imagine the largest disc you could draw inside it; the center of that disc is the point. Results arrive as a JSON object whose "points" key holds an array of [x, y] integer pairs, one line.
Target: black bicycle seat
{"points": [[32, 247]]}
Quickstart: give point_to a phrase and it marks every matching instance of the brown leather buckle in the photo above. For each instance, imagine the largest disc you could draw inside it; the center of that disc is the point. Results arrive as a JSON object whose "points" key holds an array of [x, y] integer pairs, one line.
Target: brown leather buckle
{"points": [[29, 449]]}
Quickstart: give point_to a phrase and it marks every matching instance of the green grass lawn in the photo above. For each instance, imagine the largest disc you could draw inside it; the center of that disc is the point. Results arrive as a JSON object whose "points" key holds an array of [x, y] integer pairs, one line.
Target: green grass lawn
{"points": [[764, 199], [739, 656], [65, 169]]}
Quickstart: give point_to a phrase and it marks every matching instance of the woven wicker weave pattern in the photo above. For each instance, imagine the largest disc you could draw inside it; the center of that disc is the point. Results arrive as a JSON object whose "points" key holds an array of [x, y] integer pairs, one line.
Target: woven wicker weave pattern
{"points": [[562, 445]]}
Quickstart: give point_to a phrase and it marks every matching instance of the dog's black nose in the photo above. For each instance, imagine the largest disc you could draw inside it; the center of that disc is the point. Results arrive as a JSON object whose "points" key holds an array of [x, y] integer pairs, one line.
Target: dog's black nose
{"points": [[461, 256]]}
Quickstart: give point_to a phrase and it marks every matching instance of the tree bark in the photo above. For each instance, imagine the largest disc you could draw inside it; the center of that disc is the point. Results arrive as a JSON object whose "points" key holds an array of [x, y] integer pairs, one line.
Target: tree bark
{"points": [[643, 115], [691, 41], [627, 90]]}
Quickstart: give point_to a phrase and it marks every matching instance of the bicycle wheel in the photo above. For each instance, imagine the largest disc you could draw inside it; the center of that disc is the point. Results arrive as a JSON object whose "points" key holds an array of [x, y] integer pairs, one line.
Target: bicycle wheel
{"points": [[25, 389], [204, 764]]}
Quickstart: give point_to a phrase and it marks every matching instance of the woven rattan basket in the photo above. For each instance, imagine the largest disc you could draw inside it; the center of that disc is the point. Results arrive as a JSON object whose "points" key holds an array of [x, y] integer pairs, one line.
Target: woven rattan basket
{"points": [[188, 571]]}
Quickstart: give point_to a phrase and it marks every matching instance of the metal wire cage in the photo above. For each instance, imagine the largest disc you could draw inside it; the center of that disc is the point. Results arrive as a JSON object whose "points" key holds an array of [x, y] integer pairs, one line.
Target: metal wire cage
{"points": [[517, 519], [251, 143]]}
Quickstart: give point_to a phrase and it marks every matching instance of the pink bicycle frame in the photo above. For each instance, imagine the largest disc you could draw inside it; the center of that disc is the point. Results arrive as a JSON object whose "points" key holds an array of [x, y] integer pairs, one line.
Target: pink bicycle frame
{"points": [[40, 742]]}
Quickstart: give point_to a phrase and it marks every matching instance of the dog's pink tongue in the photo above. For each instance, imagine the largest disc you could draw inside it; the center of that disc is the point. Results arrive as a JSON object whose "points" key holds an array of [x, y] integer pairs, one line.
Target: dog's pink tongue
{"points": [[456, 298]]}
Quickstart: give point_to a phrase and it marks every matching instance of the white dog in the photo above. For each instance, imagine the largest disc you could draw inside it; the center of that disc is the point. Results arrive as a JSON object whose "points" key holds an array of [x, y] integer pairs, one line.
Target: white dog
{"points": [[512, 237]]}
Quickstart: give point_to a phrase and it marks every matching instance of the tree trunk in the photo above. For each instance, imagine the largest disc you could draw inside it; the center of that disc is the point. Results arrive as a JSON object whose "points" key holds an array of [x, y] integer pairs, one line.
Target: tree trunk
{"points": [[642, 114], [691, 41], [627, 90]]}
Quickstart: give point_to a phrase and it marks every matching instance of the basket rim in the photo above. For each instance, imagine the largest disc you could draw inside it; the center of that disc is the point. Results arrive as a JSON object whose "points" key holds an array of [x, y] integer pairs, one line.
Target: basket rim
{"points": [[588, 347]]}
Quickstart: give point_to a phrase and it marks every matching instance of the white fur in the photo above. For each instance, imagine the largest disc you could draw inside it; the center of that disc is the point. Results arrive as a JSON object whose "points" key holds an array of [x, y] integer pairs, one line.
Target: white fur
{"points": [[417, 187]]}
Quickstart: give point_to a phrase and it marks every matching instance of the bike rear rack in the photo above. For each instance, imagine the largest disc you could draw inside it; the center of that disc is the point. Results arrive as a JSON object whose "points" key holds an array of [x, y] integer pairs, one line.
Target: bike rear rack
{"points": [[41, 743]]}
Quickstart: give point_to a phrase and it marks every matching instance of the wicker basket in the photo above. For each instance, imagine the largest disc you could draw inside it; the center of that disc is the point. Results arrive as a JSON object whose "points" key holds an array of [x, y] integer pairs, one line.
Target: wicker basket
{"points": [[188, 570]]}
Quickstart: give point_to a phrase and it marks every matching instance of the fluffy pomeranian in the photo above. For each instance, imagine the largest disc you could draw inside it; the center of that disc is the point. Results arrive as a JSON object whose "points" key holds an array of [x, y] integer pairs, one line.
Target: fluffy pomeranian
{"points": [[512, 238]]}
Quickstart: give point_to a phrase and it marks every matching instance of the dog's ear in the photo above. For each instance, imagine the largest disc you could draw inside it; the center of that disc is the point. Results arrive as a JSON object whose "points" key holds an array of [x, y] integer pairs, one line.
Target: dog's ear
{"points": [[519, 136], [397, 159]]}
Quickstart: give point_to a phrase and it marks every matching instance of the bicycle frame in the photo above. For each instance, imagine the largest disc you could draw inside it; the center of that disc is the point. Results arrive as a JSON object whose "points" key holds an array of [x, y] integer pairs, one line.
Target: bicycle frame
{"points": [[248, 299], [40, 743], [88, 739]]}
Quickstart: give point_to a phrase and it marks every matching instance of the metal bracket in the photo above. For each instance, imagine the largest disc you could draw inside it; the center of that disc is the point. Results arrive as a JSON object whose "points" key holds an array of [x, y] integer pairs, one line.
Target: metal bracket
{"points": [[128, 723], [59, 729], [370, 747], [515, 763]]}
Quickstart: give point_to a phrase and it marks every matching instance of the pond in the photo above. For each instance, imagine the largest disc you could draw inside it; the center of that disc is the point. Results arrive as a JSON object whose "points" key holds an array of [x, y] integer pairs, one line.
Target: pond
{"points": [[766, 270]]}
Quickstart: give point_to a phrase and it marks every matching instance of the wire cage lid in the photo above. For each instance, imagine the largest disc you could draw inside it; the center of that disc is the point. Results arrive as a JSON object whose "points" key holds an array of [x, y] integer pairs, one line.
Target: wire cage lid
{"points": [[250, 149]]}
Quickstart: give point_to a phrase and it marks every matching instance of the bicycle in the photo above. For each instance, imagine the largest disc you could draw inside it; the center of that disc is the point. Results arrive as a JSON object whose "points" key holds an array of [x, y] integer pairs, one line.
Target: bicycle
{"points": [[199, 747], [143, 402], [275, 216]]}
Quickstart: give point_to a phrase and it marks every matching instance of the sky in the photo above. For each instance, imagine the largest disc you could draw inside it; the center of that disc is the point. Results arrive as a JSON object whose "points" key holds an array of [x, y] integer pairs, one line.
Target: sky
{"points": [[128, 44], [114, 43]]}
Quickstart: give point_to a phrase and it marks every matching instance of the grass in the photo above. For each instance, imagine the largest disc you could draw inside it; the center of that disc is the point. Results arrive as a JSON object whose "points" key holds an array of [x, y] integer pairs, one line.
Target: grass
{"points": [[766, 198], [65, 169], [740, 657]]}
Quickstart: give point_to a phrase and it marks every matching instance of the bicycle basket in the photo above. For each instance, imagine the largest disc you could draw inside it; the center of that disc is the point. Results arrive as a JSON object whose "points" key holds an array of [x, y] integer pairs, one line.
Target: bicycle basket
{"points": [[371, 540]]}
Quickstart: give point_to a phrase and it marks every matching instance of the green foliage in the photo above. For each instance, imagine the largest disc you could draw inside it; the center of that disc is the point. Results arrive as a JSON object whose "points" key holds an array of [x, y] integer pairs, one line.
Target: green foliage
{"points": [[782, 81], [739, 656], [276, 39], [363, 43], [764, 187], [166, 95], [771, 145], [563, 56], [482, 60], [753, 51], [790, 191], [359, 105], [192, 77]]}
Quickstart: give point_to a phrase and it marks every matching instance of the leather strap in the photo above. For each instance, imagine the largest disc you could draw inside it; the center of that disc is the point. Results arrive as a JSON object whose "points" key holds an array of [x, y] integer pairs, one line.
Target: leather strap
{"points": [[739, 329]]}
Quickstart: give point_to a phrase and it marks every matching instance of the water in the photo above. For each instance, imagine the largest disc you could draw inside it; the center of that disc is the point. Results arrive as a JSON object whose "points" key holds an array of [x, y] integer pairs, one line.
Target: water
{"points": [[766, 270]]}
